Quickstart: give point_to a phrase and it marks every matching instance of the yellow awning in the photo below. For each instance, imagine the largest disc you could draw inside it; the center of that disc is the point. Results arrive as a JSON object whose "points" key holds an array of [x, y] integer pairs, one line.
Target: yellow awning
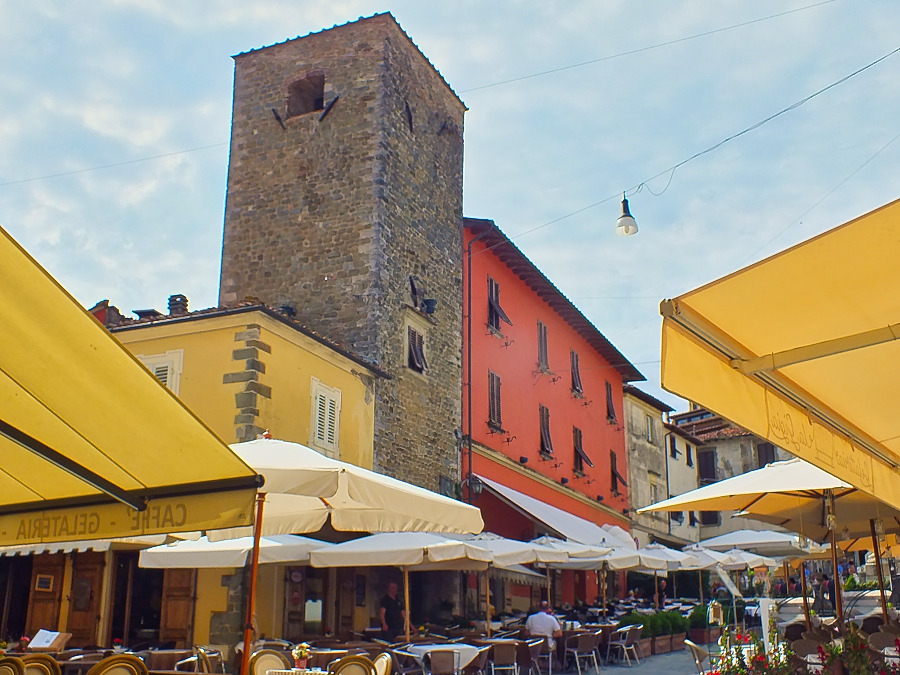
{"points": [[802, 349], [91, 444]]}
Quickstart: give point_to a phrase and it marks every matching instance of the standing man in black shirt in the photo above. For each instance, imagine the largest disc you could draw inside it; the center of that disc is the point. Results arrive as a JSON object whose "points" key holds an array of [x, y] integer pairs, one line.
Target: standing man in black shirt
{"points": [[393, 614]]}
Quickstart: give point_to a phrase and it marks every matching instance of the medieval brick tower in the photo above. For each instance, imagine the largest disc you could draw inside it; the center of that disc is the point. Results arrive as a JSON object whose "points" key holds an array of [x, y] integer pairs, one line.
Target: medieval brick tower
{"points": [[345, 203]]}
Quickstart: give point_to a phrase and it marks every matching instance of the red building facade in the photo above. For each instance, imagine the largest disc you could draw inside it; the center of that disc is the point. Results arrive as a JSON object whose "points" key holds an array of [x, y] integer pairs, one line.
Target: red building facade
{"points": [[542, 399]]}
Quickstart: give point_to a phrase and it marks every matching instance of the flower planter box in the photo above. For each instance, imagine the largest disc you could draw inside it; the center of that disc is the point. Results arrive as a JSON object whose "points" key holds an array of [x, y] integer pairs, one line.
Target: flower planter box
{"points": [[678, 642], [662, 644], [705, 636], [645, 646]]}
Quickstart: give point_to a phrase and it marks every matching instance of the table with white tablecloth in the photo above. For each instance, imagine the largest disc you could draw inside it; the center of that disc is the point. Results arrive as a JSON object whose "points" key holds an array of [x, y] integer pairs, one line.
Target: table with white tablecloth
{"points": [[467, 652]]}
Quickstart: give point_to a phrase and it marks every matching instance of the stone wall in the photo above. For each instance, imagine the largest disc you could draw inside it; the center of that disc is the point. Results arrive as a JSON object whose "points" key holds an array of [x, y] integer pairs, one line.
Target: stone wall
{"points": [[333, 210]]}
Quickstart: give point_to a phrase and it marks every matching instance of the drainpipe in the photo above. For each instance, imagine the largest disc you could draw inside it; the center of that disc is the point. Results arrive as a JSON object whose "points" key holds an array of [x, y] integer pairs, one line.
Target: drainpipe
{"points": [[468, 437]]}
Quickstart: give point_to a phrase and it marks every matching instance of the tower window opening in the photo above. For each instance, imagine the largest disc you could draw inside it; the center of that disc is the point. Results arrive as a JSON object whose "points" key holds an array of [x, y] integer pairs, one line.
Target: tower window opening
{"points": [[306, 95]]}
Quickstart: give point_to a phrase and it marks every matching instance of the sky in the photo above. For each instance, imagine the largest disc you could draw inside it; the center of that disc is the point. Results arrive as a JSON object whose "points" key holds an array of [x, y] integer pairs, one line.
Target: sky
{"points": [[115, 119]]}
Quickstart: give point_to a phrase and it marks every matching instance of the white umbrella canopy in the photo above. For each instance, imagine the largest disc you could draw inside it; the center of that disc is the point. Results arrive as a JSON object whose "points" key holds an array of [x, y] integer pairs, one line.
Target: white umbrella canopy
{"points": [[675, 560], [355, 499], [573, 549], [617, 537], [709, 558], [750, 560], [790, 494], [764, 542], [403, 549], [513, 552], [204, 553]]}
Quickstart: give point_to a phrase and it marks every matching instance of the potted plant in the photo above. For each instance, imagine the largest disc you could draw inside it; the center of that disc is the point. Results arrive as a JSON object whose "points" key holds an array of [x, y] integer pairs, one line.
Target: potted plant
{"points": [[701, 632], [659, 626], [678, 625]]}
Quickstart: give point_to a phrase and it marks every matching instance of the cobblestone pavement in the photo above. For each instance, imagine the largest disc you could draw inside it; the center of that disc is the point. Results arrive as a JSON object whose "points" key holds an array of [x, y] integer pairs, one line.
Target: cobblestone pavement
{"points": [[674, 663]]}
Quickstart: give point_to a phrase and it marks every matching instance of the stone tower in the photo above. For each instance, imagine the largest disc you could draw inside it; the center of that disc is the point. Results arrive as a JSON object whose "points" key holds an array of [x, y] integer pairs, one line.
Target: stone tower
{"points": [[345, 203]]}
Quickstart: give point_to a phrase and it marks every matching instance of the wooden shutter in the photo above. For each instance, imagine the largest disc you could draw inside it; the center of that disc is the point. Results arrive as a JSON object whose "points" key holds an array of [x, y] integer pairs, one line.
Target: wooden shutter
{"points": [[543, 361], [577, 387], [495, 310], [495, 416], [416, 350], [615, 477], [581, 457], [610, 406], [706, 466], [176, 622], [546, 443], [162, 373]]}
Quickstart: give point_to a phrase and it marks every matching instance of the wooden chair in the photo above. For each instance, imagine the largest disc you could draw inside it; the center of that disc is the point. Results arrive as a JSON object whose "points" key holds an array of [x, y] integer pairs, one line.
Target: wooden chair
{"points": [[11, 665], [703, 659], [889, 628], [323, 658], [585, 648], [503, 658], [383, 664], [41, 664], [119, 664], [880, 641], [478, 665], [442, 662], [819, 636], [802, 649], [871, 624], [268, 659]]}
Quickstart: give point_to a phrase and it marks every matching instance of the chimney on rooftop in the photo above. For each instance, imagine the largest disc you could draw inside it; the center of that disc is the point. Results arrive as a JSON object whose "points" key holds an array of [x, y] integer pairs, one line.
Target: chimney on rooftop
{"points": [[178, 304]]}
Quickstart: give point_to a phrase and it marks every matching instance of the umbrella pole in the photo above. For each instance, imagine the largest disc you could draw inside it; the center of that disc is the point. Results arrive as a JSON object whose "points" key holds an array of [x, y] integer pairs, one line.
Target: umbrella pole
{"points": [[839, 601], [784, 571], [251, 592], [487, 595], [656, 586], [674, 585], [877, 550], [549, 596], [601, 579], [406, 600], [700, 584], [803, 592]]}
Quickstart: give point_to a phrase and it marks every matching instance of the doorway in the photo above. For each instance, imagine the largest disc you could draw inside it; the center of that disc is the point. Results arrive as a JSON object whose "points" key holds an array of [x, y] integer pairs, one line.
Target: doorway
{"points": [[137, 601], [15, 584]]}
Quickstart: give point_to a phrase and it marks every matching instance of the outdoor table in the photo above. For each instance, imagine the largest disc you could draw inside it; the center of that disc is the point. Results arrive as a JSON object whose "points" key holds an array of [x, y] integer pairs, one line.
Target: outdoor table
{"points": [[165, 659], [292, 671], [466, 652]]}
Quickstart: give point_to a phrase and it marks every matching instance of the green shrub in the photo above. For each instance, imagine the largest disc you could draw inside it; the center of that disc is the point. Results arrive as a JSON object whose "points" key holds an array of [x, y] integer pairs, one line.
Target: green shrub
{"points": [[633, 619], [677, 622], [699, 617], [850, 584], [652, 625]]}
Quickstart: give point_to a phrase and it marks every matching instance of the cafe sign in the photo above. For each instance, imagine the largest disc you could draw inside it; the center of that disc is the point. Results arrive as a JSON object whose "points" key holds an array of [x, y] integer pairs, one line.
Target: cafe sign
{"points": [[106, 521]]}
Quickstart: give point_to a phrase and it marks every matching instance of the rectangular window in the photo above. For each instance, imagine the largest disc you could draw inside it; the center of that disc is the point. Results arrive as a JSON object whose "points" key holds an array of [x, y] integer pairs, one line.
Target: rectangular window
{"points": [[765, 453], [495, 419], [581, 457], [325, 418], [650, 428], [673, 447], [653, 479], [692, 515], [610, 406], [495, 311], [416, 350], [689, 452], [706, 467], [615, 477], [546, 443], [709, 518], [577, 387], [165, 367], [543, 361]]}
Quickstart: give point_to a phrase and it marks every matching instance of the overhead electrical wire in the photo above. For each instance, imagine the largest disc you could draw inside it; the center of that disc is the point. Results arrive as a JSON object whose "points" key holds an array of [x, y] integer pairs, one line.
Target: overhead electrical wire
{"points": [[495, 84], [643, 49]]}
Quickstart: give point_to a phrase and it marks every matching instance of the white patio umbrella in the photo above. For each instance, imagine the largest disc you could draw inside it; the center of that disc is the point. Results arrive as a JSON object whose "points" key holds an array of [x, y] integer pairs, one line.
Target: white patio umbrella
{"points": [[203, 553], [763, 542], [574, 549], [354, 499], [417, 550]]}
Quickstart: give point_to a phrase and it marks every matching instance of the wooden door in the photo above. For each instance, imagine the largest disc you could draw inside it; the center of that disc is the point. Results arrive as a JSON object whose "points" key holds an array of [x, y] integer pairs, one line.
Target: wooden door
{"points": [[176, 621], [84, 599], [46, 592]]}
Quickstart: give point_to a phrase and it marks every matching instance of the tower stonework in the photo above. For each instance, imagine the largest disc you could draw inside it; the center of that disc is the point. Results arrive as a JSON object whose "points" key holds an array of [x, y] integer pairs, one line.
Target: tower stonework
{"points": [[344, 181]]}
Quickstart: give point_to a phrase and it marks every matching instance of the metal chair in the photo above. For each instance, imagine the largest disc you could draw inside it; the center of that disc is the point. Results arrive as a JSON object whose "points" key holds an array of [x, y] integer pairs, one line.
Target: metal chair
{"points": [[41, 664], [479, 663], [120, 664], [625, 638], [404, 662], [504, 658], [585, 648], [268, 659], [442, 662], [534, 651], [352, 664], [547, 652]]}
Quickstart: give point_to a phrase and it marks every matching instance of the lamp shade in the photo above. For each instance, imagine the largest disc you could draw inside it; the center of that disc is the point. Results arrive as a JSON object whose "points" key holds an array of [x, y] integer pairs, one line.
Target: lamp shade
{"points": [[626, 225]]}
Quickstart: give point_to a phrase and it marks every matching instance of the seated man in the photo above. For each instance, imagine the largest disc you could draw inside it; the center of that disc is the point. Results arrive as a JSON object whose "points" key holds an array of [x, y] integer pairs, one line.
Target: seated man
{"points": [[543, 624]]}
